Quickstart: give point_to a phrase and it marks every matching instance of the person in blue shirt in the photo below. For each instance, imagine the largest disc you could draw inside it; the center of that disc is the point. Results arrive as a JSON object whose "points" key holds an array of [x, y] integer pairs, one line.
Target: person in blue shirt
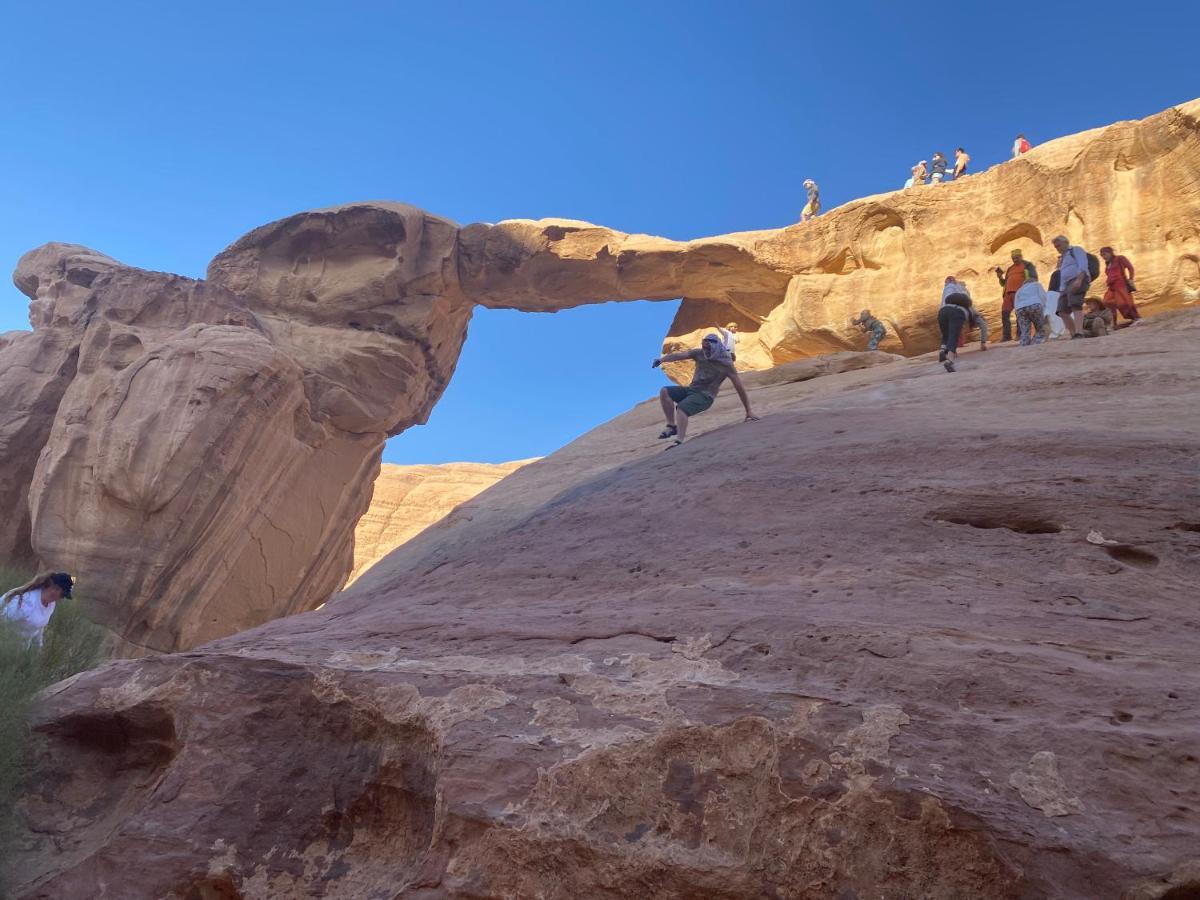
{"points": [[1073, 282]]}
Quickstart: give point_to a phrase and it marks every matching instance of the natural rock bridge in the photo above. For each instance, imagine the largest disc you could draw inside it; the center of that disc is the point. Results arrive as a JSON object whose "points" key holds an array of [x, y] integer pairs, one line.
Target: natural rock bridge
{"points": [[200, 450]]}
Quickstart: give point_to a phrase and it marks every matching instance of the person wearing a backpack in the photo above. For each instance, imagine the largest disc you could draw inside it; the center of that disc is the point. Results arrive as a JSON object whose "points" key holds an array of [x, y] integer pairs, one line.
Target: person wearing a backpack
{"points": [[1020, 145], [1119, 288], [1074, 276]]}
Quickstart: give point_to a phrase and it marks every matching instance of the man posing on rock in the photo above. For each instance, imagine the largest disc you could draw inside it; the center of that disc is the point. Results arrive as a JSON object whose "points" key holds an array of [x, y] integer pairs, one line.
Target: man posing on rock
{"points": [[1011, 282], [713, 366]]}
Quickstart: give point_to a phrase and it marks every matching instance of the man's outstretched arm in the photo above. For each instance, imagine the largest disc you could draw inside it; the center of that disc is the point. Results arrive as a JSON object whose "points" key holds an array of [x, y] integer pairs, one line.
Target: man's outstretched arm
{"points": [[741, 392], [671, 357]]}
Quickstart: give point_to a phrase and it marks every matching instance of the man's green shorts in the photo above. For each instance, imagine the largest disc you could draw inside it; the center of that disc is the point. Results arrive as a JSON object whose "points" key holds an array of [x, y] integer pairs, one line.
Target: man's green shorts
{"points": [[689, 402]]}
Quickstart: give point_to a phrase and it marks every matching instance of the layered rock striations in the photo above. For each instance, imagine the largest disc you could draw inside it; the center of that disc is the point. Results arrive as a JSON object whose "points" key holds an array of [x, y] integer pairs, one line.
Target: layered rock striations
{"points": [[408, 499], [200, 451], [906, 636]]}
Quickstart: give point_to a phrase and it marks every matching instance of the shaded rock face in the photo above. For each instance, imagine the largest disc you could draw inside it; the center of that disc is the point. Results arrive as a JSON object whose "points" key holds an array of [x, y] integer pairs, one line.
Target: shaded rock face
{"points": [[408, 499], [907, 636], [200, 451]]}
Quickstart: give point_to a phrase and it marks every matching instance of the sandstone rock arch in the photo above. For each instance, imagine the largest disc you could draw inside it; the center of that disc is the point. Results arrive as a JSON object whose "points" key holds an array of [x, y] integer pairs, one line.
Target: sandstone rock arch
{"points": [[199, 450]]}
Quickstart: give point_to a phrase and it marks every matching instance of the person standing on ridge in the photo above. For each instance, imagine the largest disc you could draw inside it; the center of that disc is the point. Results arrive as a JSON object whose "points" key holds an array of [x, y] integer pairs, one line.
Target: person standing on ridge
{"points": [[961, 158], [679, 404], [919, 173], [1073, 280], [1119, 287], [873, 326], [30, 606], [729, 339], [1011, 281], [939, 168], [1020, 145], [813, 206]]}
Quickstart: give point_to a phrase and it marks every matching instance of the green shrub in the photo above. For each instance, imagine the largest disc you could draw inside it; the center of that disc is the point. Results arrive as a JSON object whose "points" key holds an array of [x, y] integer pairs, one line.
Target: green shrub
{"points": [[71, 644]]}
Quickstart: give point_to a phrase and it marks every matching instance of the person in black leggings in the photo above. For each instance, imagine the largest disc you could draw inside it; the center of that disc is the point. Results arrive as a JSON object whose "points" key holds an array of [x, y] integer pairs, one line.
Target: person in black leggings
{"points": [[952, 318]]}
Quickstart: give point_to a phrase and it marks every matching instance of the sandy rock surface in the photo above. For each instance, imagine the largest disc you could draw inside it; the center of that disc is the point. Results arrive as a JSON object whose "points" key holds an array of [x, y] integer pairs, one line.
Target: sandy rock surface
{"points": [[912, 634], [408, 499]]}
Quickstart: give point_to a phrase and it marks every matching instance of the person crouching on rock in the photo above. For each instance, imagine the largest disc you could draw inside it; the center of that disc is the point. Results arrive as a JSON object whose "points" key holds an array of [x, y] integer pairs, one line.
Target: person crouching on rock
{"points": [[872, 326], [713, 366], [30, 606], [1097, 319]]}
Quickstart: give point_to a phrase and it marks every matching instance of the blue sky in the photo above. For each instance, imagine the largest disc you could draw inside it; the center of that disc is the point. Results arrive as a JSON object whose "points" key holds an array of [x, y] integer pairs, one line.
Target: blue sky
{"points": [[158, 133]]}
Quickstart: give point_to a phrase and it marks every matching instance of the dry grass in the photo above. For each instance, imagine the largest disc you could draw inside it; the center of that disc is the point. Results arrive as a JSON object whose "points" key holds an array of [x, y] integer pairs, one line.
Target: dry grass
{"points": [[71, 644]]}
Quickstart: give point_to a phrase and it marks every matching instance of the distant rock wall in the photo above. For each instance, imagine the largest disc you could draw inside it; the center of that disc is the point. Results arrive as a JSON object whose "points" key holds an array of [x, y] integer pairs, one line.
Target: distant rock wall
{"points": [[408, 499], [200, 451]]}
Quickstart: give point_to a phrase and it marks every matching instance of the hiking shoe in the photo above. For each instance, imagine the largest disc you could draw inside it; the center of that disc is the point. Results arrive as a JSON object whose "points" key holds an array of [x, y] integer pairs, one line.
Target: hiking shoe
{"points": [[1076, 337], [669, 431], [949, 366], [942, 355], [675, 443]]}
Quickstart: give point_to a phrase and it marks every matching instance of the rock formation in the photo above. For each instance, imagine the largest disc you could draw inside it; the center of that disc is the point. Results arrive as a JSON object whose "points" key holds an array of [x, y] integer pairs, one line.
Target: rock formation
{"points": [[408, 499], [199, 451], [907, 636]]}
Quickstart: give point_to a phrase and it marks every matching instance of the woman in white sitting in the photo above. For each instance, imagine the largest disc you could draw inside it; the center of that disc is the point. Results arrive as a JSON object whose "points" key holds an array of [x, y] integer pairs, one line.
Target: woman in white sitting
{"points": [[30, 606]]}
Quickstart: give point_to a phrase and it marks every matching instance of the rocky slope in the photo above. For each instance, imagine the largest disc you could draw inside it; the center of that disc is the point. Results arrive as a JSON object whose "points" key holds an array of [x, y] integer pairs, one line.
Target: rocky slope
{"points": [[910, 635], [408, 499], [201, 450]]}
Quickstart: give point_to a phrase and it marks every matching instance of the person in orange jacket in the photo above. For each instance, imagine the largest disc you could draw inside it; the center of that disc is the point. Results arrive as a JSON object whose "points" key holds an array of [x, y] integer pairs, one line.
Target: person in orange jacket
{"points": [[1011, 282]]}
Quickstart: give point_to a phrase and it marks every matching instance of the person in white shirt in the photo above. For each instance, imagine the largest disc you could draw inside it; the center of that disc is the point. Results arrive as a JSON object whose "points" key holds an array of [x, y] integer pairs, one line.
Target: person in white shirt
{"points": [[1030, 306], [729, 339], [30, 606]]}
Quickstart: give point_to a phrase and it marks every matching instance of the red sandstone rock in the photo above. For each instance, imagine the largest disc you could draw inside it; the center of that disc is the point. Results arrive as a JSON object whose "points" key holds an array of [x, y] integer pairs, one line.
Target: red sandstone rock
{"points": [[862, 648]]}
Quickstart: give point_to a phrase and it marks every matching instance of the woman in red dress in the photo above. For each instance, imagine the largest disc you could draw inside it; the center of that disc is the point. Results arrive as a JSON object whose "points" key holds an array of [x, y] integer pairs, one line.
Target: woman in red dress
{"points": [[1118, 294]]}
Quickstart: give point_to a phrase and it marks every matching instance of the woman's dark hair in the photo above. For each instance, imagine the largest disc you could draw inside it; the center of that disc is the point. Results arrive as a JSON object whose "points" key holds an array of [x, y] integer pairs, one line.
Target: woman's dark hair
{"points": [[960, 150]]}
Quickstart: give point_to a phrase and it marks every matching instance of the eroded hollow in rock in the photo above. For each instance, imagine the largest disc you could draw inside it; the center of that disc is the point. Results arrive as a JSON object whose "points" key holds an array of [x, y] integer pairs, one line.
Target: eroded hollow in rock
{"points": [[1018, 522], [1132, 556]]}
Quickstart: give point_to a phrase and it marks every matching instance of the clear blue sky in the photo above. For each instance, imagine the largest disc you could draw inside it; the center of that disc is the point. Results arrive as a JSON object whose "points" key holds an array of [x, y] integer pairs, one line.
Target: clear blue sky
{"points": [[159, 132]]}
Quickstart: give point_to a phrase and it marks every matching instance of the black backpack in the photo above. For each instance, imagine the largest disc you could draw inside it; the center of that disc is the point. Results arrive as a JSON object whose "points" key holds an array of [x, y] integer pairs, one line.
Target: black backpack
{"points": [[1093, 266]]}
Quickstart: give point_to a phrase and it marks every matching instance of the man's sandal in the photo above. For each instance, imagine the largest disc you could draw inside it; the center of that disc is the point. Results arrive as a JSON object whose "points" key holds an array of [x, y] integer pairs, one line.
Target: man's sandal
{"points": [[669, 431], [675, 443]]}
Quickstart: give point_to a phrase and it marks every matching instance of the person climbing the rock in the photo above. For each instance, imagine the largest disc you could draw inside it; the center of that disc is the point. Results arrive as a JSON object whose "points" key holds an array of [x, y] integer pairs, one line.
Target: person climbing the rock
{"points": [[1097, 319], [952, 319], [679, 404], [961, 159], [729, 339], [974, 319], [1030, 305], [868, 323], [1073, 280], [813, 206], [30, 606], [939, 168], [919, 173], [1020, 145], [1119, 287], [1011, 282]]}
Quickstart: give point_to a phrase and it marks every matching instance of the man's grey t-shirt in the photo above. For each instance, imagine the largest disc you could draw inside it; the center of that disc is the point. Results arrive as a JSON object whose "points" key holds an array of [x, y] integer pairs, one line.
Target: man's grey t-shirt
{"points": [[710, 371]]}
